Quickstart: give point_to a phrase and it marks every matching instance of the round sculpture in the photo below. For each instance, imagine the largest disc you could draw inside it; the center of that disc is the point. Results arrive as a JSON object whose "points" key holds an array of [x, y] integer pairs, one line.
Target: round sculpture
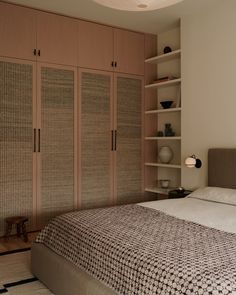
{"points": [[165, 154], [167, 49]]}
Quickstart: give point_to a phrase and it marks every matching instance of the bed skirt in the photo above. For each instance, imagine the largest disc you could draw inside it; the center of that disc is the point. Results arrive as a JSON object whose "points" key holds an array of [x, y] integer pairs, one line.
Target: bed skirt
{"points": [[61, 276]]}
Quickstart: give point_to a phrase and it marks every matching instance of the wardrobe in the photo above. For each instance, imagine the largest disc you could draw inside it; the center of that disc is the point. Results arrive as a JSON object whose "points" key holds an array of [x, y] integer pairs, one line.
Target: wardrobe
{"points": [[71, 100], [110, 138], [38, 130]]}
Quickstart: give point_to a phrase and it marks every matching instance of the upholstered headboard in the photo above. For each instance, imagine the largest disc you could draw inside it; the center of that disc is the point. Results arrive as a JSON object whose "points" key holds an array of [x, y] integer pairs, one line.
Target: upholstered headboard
{"points": [[222, 168]]}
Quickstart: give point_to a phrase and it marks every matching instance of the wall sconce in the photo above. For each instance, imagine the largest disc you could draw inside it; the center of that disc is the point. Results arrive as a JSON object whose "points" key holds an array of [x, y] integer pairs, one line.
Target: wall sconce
{"points": [[192, 162]]}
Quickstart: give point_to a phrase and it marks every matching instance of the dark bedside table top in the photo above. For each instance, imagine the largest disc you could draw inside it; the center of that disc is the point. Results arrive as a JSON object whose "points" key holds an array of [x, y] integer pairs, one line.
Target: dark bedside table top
{"points": [[178, 194]]}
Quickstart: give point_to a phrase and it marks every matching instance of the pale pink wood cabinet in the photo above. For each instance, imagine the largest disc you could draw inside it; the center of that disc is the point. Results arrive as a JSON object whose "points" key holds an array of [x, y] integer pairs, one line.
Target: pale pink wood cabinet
{"points": [[39, 168], [17, 31], [95, 46], [47, 37], [56, 39], [129, 52], [105, 48]]}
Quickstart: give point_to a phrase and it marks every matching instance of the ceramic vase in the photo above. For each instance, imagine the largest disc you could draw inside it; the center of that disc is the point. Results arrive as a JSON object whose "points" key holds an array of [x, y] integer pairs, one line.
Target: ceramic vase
{"points": [[164, 183], [165, 154]]}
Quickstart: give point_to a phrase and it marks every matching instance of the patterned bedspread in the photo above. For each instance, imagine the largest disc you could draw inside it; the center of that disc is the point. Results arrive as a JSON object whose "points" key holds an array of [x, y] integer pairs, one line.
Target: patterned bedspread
{"points": [[137, 250]]}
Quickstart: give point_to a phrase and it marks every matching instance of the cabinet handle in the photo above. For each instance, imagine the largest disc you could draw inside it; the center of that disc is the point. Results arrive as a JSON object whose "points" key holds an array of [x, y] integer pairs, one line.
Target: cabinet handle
{"points": [[35, 51], [115, 64], [39, 140], [112, 140], [39, 52], [112, 63], [34, 140], [115, 140]]}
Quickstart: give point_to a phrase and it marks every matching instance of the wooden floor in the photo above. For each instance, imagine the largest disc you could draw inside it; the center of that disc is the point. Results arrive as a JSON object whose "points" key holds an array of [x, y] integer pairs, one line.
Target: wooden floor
{"points": [[15, 242]]}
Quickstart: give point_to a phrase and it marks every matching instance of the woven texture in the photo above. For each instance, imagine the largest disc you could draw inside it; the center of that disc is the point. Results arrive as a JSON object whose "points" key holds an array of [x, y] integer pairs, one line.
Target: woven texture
{"points": [[141, 251], [95, 140], [129, 99], [16, 196], [57, 142]]}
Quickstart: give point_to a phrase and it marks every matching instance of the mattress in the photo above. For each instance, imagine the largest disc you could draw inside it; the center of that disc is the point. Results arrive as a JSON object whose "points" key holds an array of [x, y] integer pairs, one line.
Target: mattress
{"points": [[180, 246], [213, 214]]}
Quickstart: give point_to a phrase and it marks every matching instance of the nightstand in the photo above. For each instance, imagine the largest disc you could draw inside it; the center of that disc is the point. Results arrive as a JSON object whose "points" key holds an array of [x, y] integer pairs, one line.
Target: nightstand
{"points": [[174, 194]]}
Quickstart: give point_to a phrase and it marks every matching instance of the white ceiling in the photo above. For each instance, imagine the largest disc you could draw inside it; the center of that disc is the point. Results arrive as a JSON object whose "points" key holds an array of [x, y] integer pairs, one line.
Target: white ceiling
{"points": [[147, 21]]}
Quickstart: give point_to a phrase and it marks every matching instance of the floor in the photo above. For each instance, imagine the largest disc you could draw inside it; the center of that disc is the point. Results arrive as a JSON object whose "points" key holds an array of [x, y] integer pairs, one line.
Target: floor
{"points": [[15, 274], [16, 277], [15, 243]]}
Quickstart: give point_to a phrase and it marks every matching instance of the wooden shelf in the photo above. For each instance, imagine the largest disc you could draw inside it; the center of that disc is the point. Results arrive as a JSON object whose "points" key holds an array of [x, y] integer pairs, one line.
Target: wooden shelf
{"points": [[164, 57], [163, 138], [170, 110], [159, 190], [164, 84], [163, 165]]}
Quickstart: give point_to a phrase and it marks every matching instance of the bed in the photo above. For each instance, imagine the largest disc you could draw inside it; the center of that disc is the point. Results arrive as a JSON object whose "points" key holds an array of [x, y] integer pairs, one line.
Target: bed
{"points": [[180, 246]]}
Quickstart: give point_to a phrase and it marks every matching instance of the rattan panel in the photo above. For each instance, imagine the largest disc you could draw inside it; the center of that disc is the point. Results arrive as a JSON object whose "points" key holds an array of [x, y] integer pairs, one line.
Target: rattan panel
{"points": [[95, 140], [129, 99], [16, 102], [57, 142]]}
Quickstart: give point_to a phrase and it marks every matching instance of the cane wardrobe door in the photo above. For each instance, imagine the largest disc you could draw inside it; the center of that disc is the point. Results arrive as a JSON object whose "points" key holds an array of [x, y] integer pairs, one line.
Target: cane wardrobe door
{"points": [[96, 178], [17, 31], [17, 157], [128, 123], [56, 141]]}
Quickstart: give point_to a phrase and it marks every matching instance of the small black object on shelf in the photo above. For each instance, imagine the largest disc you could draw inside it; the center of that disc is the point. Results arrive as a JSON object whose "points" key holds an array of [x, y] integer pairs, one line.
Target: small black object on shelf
{"points": [[167, 49], [169, 130], [166, 104], [160, 133]]}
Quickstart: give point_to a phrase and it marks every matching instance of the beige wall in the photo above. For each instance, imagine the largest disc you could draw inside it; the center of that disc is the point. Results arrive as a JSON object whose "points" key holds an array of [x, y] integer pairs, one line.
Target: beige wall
{"points": [[209, 85]]}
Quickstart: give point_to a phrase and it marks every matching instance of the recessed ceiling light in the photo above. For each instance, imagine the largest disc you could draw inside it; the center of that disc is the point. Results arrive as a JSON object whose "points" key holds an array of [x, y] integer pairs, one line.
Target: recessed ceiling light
{"points": [[137, 5]]}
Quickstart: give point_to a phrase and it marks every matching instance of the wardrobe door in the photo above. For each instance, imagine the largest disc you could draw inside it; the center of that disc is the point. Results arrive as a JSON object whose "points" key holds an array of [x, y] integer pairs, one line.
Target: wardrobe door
{"points": [[56, 39], [56, 141], [95, 44], [17, 160], [96, 182], [128, 157], [17, 31], [129, 52]]}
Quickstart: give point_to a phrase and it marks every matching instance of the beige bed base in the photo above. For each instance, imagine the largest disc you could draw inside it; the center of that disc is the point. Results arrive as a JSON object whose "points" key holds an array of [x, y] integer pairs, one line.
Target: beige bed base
{"points": [[61, 276]]}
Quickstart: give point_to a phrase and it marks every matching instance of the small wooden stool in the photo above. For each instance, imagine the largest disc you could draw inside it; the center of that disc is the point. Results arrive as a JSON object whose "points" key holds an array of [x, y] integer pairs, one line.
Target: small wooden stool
{"points": [[19, 221]]}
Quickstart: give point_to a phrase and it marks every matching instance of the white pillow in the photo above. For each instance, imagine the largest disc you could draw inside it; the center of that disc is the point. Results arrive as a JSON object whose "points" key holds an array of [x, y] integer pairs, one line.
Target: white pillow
{"points": [[215, 194]]}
